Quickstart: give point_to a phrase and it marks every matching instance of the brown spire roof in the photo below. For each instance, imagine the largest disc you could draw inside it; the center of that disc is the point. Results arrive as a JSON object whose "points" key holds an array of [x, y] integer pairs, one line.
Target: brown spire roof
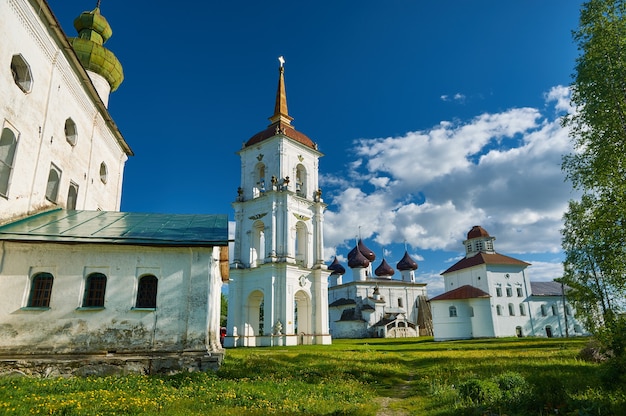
{"points": [[485, 258], [280, 108], [281, 120]]}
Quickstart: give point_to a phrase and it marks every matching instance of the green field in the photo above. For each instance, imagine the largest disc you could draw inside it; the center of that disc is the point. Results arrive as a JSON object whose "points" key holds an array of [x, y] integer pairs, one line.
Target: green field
{"points": [[523, 376]]}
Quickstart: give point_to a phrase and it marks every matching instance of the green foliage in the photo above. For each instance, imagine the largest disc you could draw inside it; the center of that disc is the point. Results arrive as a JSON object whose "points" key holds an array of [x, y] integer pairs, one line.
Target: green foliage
{"points": [[594, 234], [480, 391], [516, 376], [223, 310]]}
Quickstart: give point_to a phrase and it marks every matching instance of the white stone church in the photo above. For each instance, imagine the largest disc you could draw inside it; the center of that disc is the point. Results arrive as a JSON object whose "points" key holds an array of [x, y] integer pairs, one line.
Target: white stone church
{"points": [[85, 288], [488, 294], [278, 289]]}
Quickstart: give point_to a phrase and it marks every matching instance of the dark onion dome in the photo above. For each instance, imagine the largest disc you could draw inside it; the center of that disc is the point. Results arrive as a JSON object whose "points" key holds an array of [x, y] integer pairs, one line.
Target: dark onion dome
{"points": [[476, 232], [336, 268], [369, 254], [358, 260], [406, 263], [384, 270]]}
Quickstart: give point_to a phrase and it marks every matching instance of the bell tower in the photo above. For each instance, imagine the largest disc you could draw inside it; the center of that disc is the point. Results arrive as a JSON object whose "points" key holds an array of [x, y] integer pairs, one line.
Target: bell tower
{"points": [[278, 293]]}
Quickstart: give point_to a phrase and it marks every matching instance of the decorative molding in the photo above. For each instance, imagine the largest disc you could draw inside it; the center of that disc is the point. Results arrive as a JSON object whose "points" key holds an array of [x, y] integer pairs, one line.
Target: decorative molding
{"points": [[258, 216], [301, 217]]}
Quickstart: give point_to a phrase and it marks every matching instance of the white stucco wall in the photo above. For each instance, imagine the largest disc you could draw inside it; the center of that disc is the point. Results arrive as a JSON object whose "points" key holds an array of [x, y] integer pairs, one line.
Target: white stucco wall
{"points": [[280, 284], [38, 119], [188, 299]]}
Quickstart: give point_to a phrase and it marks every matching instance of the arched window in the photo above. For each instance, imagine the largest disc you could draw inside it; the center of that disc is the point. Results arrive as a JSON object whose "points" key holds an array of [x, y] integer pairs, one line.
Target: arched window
{"points": [[471, 311], [8, 143], [21, 73], [259, 178], [301, 244], [72, 196], [52, 189], [511, 309], [522, 309], [257, 248], [301, 179], [71, 133], [544, 310], [499, 310], [95, 288], [554, 310], [40, 290], [147, 291], [452, 311]]}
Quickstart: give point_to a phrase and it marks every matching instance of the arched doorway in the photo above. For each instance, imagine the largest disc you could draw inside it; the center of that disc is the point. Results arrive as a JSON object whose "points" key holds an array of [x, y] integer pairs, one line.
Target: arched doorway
{"points": [[303, 319], [254, 326], [548, 331]]}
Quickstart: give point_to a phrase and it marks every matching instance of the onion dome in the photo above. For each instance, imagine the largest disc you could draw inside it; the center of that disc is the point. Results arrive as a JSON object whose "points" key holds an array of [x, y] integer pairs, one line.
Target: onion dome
{"points": [[476, 232], [336, 268], [357, 260], [384, 270], [406, 263], [281, 120], [93, 31], [363, 250]]}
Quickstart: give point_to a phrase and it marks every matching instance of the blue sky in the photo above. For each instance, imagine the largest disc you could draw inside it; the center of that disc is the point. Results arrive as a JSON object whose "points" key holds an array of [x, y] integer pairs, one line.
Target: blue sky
{"points": [[433, 116]]}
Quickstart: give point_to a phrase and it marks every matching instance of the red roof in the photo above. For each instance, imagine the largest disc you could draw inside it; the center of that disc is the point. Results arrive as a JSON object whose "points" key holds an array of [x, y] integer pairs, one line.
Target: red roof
{"points": [[284, 129], [485, 258], [463, 292], [476, 232]]}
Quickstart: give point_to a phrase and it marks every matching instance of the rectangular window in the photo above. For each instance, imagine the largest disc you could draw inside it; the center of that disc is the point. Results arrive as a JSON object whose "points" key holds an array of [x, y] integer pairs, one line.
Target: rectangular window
{"points": [[509, 291], [499, 291], [400, 303], [520, 292]]}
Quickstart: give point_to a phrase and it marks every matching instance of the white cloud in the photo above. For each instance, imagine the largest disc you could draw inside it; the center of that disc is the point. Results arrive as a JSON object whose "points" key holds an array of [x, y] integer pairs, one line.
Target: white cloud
{"points": [[500, 170], [458, 97], [561, 95]]}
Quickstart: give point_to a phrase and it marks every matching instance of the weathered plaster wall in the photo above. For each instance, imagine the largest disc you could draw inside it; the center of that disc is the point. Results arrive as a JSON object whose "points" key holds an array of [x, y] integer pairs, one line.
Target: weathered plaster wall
{"points": [[188, 295]]}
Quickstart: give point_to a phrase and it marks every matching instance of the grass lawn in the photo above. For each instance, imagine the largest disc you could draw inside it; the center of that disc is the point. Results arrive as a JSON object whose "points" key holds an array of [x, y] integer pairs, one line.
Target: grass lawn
{"points": [[517, 376]]}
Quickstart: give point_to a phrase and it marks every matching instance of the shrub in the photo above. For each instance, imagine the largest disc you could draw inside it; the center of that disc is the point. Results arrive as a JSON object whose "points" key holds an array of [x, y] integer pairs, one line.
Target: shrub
{"points": [[513, 386], [480, 391]]}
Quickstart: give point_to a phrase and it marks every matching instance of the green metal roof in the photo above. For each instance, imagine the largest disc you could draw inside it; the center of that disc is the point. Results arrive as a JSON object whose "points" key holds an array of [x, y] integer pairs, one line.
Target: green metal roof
{"points": [[63, 226]]}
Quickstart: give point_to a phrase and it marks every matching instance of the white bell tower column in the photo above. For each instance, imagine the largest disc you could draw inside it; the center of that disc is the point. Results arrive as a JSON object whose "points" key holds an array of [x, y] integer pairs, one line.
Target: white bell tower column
{"points": [[278, 294]]}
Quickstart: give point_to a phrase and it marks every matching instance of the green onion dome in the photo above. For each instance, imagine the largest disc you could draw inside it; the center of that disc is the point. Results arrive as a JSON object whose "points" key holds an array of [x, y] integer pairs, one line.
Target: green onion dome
{"points": [[93, 31]]}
